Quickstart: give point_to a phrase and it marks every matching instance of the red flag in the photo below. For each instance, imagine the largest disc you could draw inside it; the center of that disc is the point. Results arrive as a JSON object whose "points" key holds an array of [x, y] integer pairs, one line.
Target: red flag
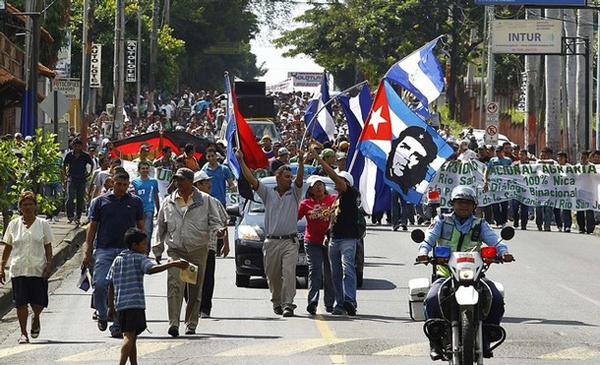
{"points": [[253, 155]]}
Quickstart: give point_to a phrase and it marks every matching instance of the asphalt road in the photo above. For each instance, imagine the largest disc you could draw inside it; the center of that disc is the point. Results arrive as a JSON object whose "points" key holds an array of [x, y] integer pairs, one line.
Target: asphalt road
{"points": [[551, 314]]}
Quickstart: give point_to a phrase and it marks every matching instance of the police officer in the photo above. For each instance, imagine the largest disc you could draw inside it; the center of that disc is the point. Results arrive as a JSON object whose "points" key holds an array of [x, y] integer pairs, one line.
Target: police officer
{"points": [[461, 231]]}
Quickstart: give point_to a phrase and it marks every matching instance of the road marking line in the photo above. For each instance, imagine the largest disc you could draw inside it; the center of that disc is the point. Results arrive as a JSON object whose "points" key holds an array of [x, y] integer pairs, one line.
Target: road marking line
{"points": [[286, 347], [584, 297], [113, 353], [20, 349], [413, 349], [573, 353]]}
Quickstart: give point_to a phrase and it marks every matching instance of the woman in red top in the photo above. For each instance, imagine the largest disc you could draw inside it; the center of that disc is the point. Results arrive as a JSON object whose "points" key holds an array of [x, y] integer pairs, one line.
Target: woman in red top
{"points": [[317, 210]]}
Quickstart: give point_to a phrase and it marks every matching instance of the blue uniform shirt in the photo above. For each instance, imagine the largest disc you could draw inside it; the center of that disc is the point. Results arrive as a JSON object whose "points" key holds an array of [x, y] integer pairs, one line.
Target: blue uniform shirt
{"points": [[220, 175], [146, 190], [487, 235]]}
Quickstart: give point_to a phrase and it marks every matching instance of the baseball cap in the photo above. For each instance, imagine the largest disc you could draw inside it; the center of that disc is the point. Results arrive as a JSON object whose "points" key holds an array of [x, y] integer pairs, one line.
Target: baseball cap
{"points": [[184, 173], [328, 152], [346, 175], [481, 146], [200, 176], [266, 137], [283, 151], [340, 156], [313, 179]]}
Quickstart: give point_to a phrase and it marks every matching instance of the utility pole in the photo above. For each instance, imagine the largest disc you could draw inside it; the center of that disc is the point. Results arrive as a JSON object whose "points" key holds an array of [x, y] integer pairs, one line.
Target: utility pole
{"points": [[483, 68], [491, 65], [532, 68], [153, 53], [139, 60], [118, 74], [88, 26]]}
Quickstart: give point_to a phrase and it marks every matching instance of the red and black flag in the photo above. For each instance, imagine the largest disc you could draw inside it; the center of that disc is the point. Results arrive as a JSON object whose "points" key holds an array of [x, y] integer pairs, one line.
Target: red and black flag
{"points": [[129, 148]]}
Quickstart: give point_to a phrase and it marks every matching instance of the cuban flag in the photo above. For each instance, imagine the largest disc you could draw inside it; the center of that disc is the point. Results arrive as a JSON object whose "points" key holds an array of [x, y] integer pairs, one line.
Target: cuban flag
{"points": [[421, 74], [375, 195], [323, 129], [406, 149]]}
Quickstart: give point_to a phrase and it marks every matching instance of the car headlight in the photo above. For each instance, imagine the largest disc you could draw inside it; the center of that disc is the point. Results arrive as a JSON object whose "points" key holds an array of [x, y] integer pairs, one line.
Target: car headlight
{"points": [[248, 233], [466, 274]]}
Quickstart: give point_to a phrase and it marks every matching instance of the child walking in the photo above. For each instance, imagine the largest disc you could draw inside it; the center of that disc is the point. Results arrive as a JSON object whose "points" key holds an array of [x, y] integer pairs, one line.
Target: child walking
{"points": [[126, 277]]}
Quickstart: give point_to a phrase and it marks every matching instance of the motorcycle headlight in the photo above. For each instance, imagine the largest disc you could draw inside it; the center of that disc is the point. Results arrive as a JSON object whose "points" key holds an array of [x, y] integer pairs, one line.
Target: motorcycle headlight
{"points": [[248, 233], [466, 274]]}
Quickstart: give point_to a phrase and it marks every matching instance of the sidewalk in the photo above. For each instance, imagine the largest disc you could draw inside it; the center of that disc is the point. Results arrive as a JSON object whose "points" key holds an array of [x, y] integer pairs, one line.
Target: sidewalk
{"points": [[67, 240]]}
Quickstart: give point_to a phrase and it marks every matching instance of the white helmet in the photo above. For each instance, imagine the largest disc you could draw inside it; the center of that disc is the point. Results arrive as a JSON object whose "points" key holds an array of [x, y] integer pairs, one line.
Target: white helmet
{"points": [[465, 193]]}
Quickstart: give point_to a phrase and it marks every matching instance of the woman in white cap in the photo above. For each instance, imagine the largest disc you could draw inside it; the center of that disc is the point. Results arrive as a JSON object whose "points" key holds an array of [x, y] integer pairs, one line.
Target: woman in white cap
{"points": [[317, 210]]}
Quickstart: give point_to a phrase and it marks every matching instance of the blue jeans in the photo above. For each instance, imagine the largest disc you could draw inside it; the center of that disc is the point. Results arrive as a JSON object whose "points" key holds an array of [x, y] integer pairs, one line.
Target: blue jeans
{"points": [[543, 217], [342, 256], [500, 212], [76, 190], [103, 259], [149, 227], [399, 209], [521, 214], [319, 274], [54, 191], [566, 218]]}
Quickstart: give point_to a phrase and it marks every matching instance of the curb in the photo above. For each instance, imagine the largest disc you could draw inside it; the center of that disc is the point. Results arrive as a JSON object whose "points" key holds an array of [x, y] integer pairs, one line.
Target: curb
{"points": [[60, 254]]}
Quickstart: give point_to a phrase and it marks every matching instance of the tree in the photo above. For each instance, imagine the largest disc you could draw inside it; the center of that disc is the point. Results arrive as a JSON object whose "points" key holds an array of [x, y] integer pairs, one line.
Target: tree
{"points": [[371, 35]]}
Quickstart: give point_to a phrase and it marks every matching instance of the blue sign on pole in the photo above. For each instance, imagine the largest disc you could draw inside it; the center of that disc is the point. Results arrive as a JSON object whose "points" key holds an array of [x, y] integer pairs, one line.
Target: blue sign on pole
{"points": [[533, 2]]}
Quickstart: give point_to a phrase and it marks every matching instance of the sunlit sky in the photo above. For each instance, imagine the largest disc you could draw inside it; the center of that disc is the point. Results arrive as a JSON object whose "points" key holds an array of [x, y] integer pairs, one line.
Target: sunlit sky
{"points": [[278, 65]]}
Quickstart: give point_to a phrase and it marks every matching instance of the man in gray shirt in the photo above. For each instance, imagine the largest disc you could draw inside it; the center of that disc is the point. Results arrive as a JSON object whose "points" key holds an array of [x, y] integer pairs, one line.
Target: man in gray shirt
{"points": [[280, 249]]}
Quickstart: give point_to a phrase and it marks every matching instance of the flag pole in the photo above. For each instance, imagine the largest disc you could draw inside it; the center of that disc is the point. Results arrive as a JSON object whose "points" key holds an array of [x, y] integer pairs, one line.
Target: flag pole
{"points": [[237, 133], [331, 100]]}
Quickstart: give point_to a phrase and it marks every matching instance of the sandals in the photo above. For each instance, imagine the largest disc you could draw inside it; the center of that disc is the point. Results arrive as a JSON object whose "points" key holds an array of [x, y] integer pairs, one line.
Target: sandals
{"points": [[23, 339], [35, 332]]}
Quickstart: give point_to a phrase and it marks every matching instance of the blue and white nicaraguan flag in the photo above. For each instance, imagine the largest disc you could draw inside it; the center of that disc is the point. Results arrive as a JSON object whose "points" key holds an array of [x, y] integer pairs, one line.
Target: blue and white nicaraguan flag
{"points": [[406, 149], [421, 74], [375, 194], [324, 128]]}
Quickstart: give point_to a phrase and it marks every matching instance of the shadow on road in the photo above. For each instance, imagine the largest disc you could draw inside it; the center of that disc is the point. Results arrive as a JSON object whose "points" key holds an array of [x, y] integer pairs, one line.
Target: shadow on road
{"points": [[367, 317], [56, 342], [377, 284], [203, 336], [519, 320]]}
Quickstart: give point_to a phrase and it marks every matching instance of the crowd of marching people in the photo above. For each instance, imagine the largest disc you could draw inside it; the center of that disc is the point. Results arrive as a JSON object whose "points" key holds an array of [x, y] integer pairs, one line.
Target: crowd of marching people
{"points": [[128, 219]]}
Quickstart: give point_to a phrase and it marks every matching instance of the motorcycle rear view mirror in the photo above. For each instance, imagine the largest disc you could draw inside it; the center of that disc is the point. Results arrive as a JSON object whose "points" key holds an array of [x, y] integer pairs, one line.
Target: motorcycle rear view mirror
{"points": [[507, 233], [417, 235]]}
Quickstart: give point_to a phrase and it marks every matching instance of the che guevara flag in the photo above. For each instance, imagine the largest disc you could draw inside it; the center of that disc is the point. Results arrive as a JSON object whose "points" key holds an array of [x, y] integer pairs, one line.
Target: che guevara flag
{"points": [[129, 148], [406, 149]]}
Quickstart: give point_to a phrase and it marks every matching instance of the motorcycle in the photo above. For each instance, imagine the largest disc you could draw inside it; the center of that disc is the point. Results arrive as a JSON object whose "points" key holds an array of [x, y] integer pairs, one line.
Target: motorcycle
{"points": [[465, 301]]}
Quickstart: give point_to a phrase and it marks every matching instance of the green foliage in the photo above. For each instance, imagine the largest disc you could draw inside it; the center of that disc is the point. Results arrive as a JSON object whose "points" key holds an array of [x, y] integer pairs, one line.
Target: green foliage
{"points": [[37, 166], [169, 50]]}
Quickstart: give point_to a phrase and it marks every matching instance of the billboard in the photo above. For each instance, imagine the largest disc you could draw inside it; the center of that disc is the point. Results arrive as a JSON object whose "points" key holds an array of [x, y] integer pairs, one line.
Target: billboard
{"points": [[536, 36], [306, 79], [533, 2]]}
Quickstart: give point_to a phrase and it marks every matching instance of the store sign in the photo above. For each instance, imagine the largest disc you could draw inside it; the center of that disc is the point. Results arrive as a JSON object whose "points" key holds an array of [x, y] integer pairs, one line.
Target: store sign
{"points": [[131, 61], [96, 66], [536, 36]]}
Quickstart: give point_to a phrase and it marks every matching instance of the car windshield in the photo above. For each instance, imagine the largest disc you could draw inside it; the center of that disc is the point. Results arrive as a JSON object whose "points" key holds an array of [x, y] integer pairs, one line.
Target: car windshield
{"points": [[265, 129]]}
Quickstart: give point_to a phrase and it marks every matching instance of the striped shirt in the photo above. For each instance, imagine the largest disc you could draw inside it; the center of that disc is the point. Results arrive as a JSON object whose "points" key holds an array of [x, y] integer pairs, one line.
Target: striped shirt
{"points": [[127, 276]]}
